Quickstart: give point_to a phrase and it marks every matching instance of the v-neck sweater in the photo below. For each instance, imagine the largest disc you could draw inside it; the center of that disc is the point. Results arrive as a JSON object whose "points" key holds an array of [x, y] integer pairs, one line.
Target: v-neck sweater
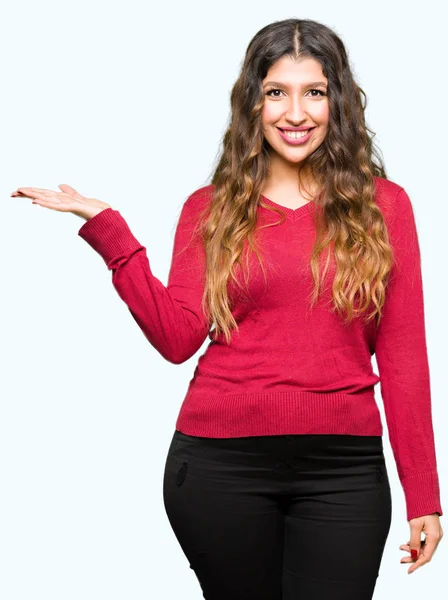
{"points": [[288, 369]]}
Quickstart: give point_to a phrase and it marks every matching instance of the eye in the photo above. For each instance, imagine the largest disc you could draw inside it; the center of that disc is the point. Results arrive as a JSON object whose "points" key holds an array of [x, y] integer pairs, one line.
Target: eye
{"points": [[320, 92], [268, 93]]}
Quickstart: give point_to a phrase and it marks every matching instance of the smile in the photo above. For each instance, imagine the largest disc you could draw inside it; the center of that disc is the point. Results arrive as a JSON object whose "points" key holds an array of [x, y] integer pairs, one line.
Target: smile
{"points": [[295, 137]]}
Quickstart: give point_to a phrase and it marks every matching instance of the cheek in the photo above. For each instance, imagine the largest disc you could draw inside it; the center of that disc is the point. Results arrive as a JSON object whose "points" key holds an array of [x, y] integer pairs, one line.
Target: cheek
{"points": [[269, 114], [323, 114]]}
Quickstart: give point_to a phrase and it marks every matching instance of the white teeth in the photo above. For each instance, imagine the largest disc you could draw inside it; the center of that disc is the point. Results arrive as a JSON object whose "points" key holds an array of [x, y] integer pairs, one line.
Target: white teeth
{"points": [[296, 134]]}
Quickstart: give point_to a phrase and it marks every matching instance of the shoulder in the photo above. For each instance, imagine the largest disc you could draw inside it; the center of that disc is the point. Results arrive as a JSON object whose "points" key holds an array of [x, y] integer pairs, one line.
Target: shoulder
{"points": [[391, 198], [386, 191], [199, 199]]}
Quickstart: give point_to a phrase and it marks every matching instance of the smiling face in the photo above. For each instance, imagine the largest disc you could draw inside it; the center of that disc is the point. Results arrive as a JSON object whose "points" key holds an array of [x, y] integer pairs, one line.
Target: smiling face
{"points": [[295, 96]]}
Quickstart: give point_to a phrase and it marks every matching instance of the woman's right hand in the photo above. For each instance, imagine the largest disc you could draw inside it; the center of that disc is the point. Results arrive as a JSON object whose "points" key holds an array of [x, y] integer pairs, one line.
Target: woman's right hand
{"points": [[69, 200]]}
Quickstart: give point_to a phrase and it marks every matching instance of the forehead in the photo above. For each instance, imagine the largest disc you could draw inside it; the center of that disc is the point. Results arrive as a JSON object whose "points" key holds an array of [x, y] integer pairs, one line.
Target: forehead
{"points": [[295, 71]]}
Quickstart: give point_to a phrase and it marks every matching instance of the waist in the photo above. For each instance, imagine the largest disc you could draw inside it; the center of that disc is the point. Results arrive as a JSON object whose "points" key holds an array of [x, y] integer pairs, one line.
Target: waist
{"points": [[279, 413]]}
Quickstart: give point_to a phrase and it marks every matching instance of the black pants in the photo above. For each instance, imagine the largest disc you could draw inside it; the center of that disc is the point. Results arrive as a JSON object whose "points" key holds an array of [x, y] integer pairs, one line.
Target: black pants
{"points": [[290, 517]]}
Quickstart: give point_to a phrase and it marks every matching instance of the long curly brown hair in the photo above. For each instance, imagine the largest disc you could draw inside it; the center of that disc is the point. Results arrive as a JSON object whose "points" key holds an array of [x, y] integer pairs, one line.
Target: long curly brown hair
{"points": [[347, 218]]}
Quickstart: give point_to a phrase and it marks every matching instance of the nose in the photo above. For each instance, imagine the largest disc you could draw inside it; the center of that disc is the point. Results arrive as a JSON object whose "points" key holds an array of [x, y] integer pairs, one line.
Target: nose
{"points": [[295, 111]]}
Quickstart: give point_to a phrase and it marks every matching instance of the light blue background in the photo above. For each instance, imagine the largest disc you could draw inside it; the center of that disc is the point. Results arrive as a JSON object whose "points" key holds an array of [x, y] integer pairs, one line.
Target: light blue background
{"points": [[127, 102]]}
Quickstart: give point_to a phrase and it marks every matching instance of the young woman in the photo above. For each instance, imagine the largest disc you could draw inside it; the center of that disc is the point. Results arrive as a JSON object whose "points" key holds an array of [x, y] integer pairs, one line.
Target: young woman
{"points": [[304, 259]]}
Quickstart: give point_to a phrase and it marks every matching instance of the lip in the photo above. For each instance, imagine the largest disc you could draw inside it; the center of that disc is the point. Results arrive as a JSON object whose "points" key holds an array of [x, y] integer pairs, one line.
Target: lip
{"points": [[301, 128], [297, 142]]}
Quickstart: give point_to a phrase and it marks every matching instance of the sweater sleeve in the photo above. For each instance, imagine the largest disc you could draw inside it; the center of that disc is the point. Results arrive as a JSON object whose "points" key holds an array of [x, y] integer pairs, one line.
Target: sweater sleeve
{"points": [[402, 359], [169, 316]]}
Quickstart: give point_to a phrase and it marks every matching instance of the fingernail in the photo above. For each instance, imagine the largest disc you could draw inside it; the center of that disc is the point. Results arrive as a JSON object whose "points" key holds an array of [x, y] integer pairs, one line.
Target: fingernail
{"points": [[414, 554]]}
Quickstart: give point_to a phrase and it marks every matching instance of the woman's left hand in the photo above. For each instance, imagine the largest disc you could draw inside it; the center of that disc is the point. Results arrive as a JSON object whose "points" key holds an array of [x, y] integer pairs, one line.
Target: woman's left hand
{"points": [[422, 551]]}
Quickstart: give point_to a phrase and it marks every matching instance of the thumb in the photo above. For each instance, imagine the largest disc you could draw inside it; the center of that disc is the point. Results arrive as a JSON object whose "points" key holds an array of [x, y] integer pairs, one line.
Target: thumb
{"points": [[415, 541], [67, 189]]}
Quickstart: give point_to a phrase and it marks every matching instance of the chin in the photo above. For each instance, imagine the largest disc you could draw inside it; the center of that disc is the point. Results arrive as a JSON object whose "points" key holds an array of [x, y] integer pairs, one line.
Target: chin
{"points": [[294, 156], [295, 161]]}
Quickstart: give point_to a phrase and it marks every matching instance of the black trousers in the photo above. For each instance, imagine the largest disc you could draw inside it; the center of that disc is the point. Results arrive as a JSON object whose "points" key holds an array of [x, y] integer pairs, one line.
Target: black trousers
{"points": [[289, 517]]}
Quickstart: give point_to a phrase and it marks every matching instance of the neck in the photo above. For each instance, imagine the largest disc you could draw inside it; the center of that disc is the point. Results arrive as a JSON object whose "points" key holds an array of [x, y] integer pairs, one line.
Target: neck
{"points": [[291, 179]]}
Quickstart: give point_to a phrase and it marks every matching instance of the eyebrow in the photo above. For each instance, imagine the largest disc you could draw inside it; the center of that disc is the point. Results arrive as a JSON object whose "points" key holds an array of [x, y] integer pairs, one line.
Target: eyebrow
{"points": [[311, 84]]}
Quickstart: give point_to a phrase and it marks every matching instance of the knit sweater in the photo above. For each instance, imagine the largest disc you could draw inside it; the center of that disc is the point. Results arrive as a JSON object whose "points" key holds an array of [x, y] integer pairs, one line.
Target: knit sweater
{"points": [[289, 369]]}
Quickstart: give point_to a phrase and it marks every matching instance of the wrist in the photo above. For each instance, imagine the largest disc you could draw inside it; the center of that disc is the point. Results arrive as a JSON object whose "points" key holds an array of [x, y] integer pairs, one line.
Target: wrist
{"points": [[92, 212]]}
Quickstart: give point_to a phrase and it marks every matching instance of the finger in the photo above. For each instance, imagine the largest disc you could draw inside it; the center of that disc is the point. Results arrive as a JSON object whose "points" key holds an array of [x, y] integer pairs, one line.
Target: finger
{"points": [[22, 194], [31, 194], [36, 195], [417, 564], [429, 548], [407, 546], [17, 193], [415, 542], [47, 198], [34, 189], [52, 202], [68, 189]]}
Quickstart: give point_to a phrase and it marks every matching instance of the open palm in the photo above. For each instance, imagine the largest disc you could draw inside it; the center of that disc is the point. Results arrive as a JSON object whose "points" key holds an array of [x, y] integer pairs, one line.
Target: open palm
{"points": [[67, 200]]}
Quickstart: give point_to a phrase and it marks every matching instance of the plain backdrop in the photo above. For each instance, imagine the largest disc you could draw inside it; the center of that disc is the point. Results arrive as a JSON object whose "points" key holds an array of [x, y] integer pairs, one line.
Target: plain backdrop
{"points": [[127, 102]]}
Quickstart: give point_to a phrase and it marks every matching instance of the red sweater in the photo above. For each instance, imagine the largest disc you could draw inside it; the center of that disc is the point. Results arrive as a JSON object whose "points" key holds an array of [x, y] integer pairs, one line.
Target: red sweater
{"points": [[289, 370]]}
